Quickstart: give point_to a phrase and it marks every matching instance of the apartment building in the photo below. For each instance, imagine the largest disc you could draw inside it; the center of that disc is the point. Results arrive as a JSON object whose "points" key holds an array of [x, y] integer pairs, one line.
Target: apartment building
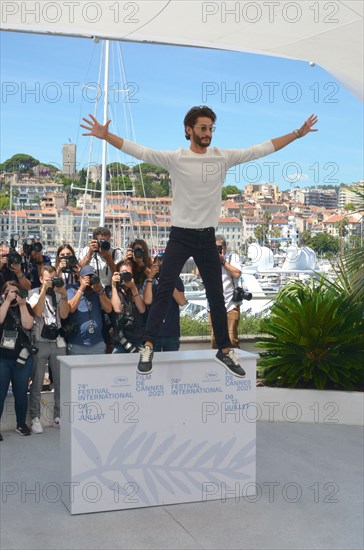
{"points": [[347, 195], [326, 198]]}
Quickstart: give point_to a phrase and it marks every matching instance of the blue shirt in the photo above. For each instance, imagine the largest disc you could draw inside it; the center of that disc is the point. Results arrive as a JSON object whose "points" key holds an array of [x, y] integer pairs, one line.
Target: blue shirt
{"points": [[88, 313]]}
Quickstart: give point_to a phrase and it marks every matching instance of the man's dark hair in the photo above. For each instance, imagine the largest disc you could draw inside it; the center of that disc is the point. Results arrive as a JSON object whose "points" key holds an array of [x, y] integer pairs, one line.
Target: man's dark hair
{"points": [[196, 112], [103, 231]]}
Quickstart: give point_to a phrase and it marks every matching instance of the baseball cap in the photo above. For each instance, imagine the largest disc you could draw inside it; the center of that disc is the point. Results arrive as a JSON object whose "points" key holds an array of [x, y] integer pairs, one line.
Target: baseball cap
{"points": [[87, 270]]}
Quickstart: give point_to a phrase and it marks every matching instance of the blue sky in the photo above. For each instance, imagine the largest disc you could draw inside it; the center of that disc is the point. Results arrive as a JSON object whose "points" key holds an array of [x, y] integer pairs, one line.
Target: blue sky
{"points": [[255, 97]]}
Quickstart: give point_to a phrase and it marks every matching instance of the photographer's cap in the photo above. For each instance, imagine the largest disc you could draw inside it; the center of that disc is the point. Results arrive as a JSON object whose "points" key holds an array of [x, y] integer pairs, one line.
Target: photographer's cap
{"points": [[87, 270]]}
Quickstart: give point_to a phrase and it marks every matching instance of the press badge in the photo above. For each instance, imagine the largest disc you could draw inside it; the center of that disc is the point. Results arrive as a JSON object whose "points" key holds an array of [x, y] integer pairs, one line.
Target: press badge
{"points": [[8, 339]]}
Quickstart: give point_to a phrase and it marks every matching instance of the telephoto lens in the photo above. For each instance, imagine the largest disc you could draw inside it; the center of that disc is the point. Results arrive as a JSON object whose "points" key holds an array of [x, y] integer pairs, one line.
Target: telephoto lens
{"points": [[22, 293]]}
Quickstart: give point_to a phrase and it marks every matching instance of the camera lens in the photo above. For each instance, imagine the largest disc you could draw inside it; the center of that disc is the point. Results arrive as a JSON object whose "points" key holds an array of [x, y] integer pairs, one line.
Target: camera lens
{"points": [[57, 282], [94, 280], [104, 245], [138, 253], [125, 277]]}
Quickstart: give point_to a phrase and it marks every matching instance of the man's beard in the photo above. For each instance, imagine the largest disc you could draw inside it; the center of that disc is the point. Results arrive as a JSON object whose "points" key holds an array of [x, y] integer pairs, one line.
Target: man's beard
{"points": [[202, 142]]}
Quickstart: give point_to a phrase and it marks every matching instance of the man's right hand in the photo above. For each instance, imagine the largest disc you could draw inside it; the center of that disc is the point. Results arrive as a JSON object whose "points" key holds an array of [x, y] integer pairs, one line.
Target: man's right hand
{"points": [[46, 284], [94, 245]]}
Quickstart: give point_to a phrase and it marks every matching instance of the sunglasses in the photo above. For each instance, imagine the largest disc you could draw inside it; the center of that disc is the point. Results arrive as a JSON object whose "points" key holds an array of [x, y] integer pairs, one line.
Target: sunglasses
{"points": [[203, 128]]}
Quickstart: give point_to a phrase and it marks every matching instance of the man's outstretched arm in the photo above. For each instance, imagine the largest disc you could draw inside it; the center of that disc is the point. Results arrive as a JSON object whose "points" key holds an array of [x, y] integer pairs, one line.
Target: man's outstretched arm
{"points": [[101, 131], [279, 143]]}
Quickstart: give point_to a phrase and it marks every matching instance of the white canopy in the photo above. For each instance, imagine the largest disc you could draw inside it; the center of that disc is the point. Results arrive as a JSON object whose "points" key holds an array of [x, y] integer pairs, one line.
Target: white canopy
{"points": [[329, 34]]}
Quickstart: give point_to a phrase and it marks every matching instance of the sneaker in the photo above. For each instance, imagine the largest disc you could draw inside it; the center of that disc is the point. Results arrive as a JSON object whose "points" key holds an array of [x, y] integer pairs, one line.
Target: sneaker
{"points": [[36, 427], [230, 362], [145, 361], [57, 422], [23, 430]]}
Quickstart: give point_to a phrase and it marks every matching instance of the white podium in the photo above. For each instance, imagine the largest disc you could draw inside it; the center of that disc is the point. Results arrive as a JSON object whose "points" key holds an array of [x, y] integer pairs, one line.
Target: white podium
{"points": [[184, 433]]}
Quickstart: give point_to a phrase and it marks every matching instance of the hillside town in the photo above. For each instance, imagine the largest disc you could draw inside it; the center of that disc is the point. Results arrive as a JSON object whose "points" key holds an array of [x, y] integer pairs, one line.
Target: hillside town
{"points": [[42, 207]]}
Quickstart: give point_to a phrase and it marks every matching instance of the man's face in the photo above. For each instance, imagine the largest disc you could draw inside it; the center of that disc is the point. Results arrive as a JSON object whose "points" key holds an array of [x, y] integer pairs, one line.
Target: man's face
{"points": [[201, 132]]}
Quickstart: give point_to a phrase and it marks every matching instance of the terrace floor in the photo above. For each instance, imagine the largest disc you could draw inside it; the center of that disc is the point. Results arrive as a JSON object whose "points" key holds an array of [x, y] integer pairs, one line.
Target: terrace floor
{"points": [[309, 496]]}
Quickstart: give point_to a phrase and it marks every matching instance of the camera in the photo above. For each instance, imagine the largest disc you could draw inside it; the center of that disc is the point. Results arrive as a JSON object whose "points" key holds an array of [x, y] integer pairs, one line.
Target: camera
{"points": [[68, 328], [126, 324], [71, 262], [94, 280], [219, 248], [138, 253], [22, 293], [104, 245], [14, 242], [27, 349], [125, 277], [14, 258], [50, 332], [22, 357], [57, 282], [239, 295], [29, 246]]}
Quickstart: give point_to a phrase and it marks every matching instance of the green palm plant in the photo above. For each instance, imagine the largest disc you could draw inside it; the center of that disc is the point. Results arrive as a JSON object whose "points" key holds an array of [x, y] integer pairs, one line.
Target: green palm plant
{"points": [[350, 269], [315, 338]]}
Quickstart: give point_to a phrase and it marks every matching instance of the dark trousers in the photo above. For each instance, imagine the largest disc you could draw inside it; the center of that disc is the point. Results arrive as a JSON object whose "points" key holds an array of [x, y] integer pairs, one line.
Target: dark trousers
{"points": [[19, 378], [201, 245]]}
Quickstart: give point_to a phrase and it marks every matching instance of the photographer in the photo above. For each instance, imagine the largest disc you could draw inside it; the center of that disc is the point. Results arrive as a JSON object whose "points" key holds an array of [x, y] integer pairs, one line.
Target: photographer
{"points": [[128, 321], [16, 319], [230, 273], [87, 301], [50, 306], [100, 255], [168, 338], [66, 265], [34, 259], [12, 267], [138, 254]]}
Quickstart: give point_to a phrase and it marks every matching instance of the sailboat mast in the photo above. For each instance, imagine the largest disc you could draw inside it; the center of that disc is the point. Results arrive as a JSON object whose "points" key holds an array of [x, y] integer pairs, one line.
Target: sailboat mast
{"points": [[106, 103]]}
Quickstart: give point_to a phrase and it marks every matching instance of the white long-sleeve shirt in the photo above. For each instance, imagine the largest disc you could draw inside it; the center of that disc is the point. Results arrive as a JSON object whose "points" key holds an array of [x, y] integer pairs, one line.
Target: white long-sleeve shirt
{"points": [[197, 178]]}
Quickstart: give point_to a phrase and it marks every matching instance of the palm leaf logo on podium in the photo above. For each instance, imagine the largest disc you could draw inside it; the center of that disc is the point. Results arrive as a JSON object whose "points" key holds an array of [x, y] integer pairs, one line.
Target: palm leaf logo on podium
{"points": [[170, 465]]}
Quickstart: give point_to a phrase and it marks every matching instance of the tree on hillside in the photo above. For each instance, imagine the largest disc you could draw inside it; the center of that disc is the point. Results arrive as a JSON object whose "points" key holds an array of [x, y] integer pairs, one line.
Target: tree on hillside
{"points": [[146, 167], [229, 190], [19, 163]]}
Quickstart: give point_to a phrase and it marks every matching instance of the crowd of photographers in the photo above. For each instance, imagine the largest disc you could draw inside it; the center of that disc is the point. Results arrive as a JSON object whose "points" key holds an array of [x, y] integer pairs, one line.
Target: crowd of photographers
{"points": [[93, 304]]}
